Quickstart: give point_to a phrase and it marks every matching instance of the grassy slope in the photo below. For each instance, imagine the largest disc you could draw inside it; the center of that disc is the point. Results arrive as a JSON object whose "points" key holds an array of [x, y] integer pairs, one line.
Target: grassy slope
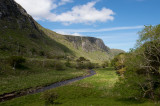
{"points": [[97, 56], [95, 91], [18, 42], [15, 41]]}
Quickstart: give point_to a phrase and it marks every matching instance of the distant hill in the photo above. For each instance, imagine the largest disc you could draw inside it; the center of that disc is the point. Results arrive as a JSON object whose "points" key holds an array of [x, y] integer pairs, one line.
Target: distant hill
{"points": [[20, 34]]}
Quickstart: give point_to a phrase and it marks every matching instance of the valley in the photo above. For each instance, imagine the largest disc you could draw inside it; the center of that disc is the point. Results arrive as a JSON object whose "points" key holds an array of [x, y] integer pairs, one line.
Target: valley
{"points": [[41, 67]]}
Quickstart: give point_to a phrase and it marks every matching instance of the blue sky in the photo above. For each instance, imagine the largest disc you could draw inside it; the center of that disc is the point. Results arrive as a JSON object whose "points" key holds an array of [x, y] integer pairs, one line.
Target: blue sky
{"points": [[116, 22]]}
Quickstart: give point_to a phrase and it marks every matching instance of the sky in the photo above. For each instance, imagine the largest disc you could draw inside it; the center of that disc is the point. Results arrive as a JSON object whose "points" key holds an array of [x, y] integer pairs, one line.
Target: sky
{"points": [[116, 22]]}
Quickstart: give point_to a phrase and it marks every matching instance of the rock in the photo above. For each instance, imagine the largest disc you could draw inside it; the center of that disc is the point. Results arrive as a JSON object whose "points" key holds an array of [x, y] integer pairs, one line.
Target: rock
{"points": [[88, 44], [13, 12]]}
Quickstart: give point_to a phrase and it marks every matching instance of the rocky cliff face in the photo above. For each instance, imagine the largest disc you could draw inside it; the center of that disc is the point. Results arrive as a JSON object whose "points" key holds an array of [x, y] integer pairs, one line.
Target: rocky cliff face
{"points": [[88, 44], [19, 30], [11, 12]]}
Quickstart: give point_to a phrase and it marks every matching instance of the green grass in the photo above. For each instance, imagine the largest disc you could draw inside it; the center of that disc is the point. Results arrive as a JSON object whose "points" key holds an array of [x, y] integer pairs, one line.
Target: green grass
{"points": [[92, 91], [31, 78]]}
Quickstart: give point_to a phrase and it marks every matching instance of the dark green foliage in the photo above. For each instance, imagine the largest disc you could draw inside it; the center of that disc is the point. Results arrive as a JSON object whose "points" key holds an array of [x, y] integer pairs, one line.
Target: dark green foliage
{"points": [[119, 63], [81, 59], [86, 65], [68, 64], [16, 61], [128, 88], [91, 65], [142, 78], [59, 65], [42, 53], [105, 64], [50, 97], [81, 63]]}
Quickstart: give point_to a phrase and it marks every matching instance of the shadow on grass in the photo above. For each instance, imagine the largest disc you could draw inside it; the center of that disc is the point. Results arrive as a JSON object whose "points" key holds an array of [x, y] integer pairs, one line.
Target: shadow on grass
{"points": [[22, 67], [130, 101], [108, 69], [55, 103]]}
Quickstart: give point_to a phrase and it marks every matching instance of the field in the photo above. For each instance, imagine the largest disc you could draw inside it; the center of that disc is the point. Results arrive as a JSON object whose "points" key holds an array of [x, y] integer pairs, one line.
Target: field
{"points": [[33, 77], [92, 91]]}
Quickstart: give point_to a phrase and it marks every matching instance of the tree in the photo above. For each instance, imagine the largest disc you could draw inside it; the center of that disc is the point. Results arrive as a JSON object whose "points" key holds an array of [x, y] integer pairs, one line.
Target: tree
{"points": [[143, 63]]}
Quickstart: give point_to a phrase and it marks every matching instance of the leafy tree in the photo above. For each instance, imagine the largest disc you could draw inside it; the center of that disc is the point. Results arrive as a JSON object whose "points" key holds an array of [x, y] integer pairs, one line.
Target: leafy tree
{"points": [[143, 63]]}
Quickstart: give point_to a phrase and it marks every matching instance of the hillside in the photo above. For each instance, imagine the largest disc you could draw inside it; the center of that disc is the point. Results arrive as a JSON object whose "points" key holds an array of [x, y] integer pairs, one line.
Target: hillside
{"points": [[20, 34]]}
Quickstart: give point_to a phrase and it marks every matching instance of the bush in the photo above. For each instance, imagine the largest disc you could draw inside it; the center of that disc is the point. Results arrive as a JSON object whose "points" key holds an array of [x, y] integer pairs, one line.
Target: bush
{"points": [[142, 78], [80, 65], [128, 88], [105, 64], [16, 61], [59, 65], [68, 64], [42, 53], [90, 65], [81, 59], [50, 97], [85, 65], [121, 71]]}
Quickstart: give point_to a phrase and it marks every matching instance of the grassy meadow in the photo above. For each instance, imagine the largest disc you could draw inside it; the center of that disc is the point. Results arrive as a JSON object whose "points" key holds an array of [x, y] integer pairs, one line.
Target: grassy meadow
{"points": [[35, 73], [92, 91]]}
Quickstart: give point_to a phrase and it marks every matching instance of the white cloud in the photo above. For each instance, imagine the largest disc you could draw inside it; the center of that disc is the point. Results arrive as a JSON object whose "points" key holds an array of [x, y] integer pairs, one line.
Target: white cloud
{"points": [[63, 2], [99, 30], [38, 8], [83, 14], [65, 33], [76, 34], [87, 13]]}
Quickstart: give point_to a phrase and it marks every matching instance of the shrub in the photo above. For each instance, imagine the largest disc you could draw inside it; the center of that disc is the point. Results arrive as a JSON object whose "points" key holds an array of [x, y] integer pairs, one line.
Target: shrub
{"points": [[128, 88], [59, 65], [81, 59], [80, 65], [16, 61], [85, 65], [90, 65], [50, 97], [42, 53], [121, 71], [142, 78], [105, 64], [68, 64]]}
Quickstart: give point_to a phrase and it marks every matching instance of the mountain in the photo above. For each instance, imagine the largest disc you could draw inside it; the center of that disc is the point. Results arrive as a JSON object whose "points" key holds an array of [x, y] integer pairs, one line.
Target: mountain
{"points": [[20, 34], [88, 44]]}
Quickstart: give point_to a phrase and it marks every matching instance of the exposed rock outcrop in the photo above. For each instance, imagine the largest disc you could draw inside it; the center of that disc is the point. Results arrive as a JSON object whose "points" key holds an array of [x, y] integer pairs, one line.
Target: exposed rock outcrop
{"points": [[88, 44], [10, 11]]}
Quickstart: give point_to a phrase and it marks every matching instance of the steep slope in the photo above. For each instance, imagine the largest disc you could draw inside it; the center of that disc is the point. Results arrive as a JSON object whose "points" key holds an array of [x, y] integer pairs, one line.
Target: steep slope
{"points": [[20, 34], [88, 47], [88, 44]]}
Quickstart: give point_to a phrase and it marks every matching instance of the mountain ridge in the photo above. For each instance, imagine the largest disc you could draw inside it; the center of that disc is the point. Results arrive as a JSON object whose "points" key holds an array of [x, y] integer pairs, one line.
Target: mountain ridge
{"points": [[31, 39]]}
